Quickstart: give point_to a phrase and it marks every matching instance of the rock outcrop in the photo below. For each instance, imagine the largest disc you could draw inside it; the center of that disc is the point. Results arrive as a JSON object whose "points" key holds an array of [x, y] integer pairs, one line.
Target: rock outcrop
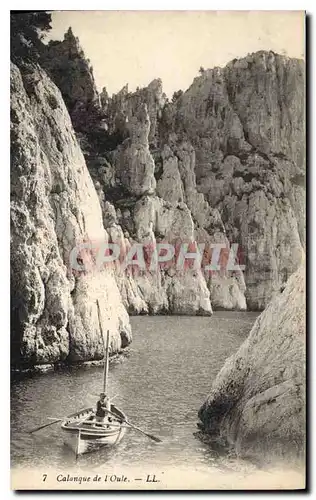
{"points": [[117, 151], [221, 163], [72, 73], [125, 104], [54, 207], [133, 164], [257, 401]]}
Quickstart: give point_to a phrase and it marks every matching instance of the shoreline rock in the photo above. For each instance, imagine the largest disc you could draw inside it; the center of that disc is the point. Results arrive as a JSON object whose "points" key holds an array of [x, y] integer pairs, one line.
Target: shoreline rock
{"points": [[20, 371]]}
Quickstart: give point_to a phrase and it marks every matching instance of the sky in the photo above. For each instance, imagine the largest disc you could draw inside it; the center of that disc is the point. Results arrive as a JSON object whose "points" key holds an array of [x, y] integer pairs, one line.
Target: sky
{"points": [[136, 47]]}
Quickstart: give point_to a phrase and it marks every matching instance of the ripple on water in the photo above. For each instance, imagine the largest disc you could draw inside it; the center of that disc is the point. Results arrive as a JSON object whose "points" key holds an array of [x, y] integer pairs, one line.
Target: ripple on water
{"points": [[160, 385]]}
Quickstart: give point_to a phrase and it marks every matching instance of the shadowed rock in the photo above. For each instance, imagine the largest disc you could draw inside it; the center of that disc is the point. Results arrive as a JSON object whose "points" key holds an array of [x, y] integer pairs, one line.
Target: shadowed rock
{"points": [[257, 401]]}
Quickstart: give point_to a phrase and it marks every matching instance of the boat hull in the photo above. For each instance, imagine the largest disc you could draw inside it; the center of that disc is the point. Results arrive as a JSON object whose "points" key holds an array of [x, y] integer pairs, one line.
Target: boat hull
{"points": [[82, 434], [81, 444]]}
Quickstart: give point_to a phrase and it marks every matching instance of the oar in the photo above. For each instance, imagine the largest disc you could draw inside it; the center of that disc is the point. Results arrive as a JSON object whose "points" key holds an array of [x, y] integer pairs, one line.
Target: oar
{"points": [[186, 423], [51, 423], [45, 425], [154, 438]]}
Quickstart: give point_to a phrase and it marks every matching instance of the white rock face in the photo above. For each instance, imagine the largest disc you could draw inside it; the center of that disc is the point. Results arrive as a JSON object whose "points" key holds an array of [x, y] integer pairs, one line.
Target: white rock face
{"points": [[169, 186], [149, 220], [257, 401], [161, 290], [54, 206], [247, 127], [227, 288], [179, 214]]}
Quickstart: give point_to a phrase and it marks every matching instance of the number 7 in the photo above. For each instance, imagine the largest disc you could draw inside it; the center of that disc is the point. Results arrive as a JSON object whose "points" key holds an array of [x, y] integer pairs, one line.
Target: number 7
{"points": [[44, 477]]}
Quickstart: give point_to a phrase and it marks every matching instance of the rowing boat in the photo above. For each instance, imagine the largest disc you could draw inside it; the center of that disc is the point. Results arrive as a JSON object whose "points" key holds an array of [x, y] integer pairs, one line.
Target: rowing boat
{"points": [[86, 430], [83, 434]]}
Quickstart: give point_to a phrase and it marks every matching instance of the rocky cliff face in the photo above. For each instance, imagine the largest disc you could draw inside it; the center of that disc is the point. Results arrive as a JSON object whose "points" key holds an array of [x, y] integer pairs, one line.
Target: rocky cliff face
{"points": [[257, 401], [230, 150], [118, 152], [54, 207], [246, 124]]}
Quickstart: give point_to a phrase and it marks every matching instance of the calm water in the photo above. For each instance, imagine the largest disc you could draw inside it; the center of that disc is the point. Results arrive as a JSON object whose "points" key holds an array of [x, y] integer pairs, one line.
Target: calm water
{"points": [[160, 386]]}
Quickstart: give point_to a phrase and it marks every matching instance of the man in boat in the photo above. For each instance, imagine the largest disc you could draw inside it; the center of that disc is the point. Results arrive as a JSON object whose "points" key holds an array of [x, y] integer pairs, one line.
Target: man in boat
{"points": [[103, 407]]}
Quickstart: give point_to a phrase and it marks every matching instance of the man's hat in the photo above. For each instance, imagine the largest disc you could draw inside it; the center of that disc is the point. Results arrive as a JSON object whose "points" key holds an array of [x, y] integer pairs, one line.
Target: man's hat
{"points": [[102, 395]]}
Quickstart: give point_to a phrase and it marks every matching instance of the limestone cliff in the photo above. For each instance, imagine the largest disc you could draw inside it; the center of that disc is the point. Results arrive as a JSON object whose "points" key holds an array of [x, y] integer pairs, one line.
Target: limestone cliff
{"points": [[230, 149], [246, 124], [118, 152], [143, 217], [54, 206], [257, 401], [166, 177]]}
